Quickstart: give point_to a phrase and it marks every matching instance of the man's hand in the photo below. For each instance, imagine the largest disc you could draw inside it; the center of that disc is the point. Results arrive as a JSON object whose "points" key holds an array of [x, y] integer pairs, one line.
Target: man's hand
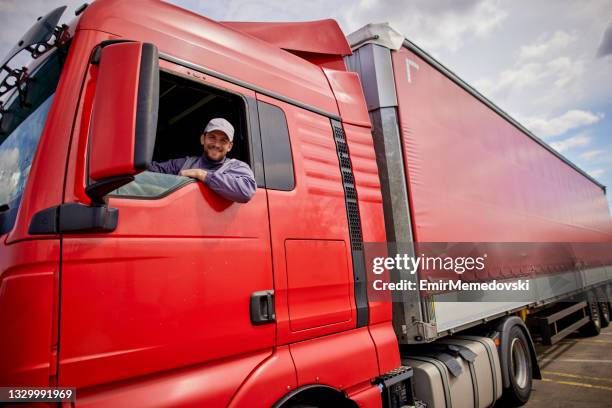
{"points": [[198, 174]]}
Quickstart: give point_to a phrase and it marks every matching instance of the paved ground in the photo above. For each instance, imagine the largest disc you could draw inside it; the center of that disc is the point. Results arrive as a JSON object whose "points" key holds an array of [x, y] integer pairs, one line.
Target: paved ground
{"points": [[577, 372]]}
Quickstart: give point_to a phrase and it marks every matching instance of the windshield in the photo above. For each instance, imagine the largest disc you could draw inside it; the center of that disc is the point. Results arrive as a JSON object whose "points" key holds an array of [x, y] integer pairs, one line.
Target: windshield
{"points": [[23, 119]]}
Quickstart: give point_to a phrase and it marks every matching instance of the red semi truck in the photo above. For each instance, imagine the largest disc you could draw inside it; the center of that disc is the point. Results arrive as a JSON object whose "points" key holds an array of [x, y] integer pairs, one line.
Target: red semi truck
{"points": [[142, 289]]}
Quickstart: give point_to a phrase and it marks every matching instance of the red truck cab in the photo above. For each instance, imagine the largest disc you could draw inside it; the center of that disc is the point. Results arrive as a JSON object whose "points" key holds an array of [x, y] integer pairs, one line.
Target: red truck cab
{"points": [[135, 286]]}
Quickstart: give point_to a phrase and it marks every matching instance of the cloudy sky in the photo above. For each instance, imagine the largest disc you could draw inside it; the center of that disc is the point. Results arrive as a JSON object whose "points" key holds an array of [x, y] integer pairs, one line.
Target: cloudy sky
{"points": [[547, 63]]}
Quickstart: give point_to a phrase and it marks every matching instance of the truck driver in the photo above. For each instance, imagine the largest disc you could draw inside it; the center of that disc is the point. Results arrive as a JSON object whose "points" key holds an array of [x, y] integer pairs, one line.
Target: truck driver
{"points": [[232, 179]]}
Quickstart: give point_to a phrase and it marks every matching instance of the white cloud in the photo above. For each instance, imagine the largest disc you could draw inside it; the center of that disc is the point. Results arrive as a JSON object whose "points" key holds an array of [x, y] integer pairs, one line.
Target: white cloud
{"points": [[590, 154], [434, 25], [547, 127], [9, 174], [514, 78], [546, 44], [565, 70], [574, 141], [562, 73], [266, 10], [597, 173], [565, 74]]}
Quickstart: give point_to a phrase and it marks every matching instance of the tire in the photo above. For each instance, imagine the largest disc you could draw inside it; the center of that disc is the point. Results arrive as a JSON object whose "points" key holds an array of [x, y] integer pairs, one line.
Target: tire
{"points": [[609, 301], [593, 327], [519, 369], [302, 406], [604, 308], [604, 313]]}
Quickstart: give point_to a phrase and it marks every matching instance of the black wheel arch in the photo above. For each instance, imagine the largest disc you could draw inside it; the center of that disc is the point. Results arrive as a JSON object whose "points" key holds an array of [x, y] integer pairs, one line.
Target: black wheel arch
{"points": [[317, 395]]}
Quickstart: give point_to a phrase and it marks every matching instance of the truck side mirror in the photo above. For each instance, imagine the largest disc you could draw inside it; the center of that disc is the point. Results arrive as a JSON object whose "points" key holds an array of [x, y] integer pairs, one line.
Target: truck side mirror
{"points": [[124, 115]]}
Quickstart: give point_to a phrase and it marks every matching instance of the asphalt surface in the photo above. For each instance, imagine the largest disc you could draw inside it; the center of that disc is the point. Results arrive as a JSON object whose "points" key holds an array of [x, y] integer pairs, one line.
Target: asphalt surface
{"points": [[577, 372]]}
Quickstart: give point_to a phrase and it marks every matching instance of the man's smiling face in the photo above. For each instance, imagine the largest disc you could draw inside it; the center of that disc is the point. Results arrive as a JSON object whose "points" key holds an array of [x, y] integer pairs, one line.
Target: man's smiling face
{"points": [[216, 145]]}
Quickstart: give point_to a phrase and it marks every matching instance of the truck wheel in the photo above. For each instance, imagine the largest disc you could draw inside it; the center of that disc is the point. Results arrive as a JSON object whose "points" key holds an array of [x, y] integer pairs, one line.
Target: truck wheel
{"points": [[519, 369], [593, 327], [604, 313], [604, 307]]}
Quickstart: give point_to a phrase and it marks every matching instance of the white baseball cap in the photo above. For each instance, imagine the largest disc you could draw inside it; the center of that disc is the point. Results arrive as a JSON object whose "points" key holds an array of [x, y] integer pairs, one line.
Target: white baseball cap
{"points": [[222, 125]]}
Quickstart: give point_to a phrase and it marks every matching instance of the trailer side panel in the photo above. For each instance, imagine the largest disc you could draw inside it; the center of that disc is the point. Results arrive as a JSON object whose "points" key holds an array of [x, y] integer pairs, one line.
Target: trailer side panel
{"points": [[474, 177]]}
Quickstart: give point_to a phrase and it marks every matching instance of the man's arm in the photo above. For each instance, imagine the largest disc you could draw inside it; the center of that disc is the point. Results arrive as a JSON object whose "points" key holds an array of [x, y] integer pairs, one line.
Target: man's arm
{"points": [[172, 166], [235, 183]]}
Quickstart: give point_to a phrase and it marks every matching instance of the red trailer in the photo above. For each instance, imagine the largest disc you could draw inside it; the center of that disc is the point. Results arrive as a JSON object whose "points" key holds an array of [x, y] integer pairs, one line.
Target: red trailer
{"points": [[137, 288], [464, 171]]}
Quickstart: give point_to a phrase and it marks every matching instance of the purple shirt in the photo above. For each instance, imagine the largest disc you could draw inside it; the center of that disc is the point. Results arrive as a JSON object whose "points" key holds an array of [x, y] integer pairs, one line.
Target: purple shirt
{"points": [[230, 178]]}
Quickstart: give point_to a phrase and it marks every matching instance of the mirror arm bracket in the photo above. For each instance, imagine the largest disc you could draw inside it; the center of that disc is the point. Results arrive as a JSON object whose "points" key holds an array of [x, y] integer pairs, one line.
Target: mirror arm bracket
{"points": [[74, 218], [97, 51], [99, 189]]}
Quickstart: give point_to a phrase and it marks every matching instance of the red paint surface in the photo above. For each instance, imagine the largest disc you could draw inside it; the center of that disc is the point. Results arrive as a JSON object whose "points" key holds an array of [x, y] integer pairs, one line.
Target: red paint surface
{"points": [[331, 366], [76, 177], [155, 295], [367, 184], [387, 348], [27, 274], [113, 123], [318, 283], [474, 177], [313, 211], [319, 42], [205, 42], [45, 184], [370, 397], [320, 37], [210, 385], [349, 95], [29, 269], [163, 301], [266, 384]]}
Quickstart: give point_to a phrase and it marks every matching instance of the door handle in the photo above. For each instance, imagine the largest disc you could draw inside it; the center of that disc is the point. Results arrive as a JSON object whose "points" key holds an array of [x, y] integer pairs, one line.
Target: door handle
{"points": [[262, 307]]}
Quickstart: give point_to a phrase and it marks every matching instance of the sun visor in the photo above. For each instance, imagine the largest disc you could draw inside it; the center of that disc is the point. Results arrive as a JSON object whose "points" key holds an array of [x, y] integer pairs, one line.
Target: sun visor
{"points": [[39, 33]]}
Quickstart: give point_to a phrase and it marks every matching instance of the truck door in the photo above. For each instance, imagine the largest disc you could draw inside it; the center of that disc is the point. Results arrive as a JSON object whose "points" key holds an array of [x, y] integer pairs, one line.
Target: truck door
{"points": [[309, 228], [171, 287]]}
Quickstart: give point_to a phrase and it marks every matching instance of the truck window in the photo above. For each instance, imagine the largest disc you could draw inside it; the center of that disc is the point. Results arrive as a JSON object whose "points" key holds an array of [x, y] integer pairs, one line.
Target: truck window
{"points": [[278, 163], [185, 107], [23, 120]]}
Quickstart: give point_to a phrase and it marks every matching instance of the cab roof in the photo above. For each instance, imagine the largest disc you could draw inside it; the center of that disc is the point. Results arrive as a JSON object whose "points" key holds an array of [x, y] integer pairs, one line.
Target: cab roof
{"points": [[196, 39]]}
